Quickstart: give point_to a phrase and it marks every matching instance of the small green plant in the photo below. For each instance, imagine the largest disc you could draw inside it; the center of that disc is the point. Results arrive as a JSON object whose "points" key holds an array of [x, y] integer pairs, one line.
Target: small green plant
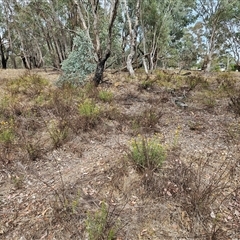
{"points": [[6, 132], [105, 96], [100, 225], [58, 133], [89, 109], [147, 153]]}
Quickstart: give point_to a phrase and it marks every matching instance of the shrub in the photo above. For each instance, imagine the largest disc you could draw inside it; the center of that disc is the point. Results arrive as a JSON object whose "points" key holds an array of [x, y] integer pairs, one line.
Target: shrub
{"points": [[80, 62], [196, 80], [147, 153], [89, 113], [101, 225], [28, 84], [105, 96], [58, 132], [88, 109], [6, 132], [146, 84], [203, 190], [33, 150]]}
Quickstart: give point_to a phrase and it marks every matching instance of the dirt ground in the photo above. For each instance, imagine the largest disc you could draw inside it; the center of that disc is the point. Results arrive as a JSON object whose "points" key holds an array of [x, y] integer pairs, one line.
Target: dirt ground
{"points": [[194, 196]]}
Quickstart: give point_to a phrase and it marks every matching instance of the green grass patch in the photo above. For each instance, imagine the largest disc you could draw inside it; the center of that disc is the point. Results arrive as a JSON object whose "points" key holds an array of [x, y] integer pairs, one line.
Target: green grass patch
{"points": [[105, 96], [147, 153]]}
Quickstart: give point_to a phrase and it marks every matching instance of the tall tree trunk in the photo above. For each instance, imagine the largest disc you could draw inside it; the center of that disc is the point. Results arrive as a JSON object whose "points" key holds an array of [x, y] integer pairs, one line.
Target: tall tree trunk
{"points": [[3, 58], [101, 60], [133, 36]]}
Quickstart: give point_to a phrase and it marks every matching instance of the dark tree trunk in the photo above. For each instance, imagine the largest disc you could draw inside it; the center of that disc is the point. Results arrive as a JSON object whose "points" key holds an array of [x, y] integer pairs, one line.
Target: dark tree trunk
{"points": [[3, 58], [25, 62], [98, 76], [4, 63]]}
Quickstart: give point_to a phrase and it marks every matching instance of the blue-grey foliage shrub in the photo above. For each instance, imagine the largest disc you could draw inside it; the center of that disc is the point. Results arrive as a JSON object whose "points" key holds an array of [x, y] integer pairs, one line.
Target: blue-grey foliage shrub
{"points": [[80, 62]]}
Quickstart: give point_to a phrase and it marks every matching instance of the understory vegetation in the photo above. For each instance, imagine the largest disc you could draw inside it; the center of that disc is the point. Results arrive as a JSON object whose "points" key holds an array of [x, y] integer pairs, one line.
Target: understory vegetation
{"points": [[121, 161]]}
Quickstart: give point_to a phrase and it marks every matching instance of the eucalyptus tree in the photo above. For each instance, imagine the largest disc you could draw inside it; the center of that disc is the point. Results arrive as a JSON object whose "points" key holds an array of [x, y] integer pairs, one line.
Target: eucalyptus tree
{"points": [[186, 51], [40, 28], [3, 41], [161, 25], [131, 16], [47, 20], [6, 35], [213, 14], [95, 16], [232, 35]]}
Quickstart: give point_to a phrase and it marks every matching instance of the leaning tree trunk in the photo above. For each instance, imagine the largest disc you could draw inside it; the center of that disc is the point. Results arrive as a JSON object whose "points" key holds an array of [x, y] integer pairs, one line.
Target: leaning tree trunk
{"points": [[98, 76]]}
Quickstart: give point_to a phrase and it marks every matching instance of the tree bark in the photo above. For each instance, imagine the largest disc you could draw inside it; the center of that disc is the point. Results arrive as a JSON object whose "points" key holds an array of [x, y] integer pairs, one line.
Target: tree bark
{"points": [[98, 76], [133, 36], [3, 58], [102, 58], [206, 66]]}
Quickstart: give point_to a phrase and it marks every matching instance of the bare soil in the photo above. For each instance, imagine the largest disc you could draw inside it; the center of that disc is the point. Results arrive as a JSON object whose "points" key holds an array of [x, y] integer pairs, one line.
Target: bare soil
{"points": [[52, 196]]}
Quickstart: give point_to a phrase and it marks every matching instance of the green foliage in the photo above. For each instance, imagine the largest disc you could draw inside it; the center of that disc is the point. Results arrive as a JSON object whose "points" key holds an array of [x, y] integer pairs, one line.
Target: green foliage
{"points": [[80, 62], [89, 114], [196, 80], [105, 96], [147, 153], [6, 132], [146, 84], [28, 84], [100, 225], [88, 109], [58, 132]]}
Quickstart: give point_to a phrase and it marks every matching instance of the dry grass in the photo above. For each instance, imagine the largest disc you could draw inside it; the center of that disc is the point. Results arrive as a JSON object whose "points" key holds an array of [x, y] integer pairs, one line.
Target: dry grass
{"points": [[65, 173]]}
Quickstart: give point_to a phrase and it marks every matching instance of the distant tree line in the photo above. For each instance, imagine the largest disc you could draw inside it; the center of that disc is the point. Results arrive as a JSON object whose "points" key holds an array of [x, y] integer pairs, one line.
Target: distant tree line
{"points": [[122, 34]]}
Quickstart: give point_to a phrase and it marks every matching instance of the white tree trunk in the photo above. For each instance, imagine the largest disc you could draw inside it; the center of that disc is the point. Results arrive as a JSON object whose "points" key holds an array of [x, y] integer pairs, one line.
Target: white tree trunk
{"points": [[133, 36], [145, 64]]}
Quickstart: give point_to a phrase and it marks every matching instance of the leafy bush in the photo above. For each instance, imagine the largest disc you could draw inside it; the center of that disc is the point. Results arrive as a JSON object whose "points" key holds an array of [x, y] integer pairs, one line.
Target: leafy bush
{"points": [[80, 62], [147, 153], [6, 132], [28, 84], [89, 114], [88, 109], [101, 225], [105, 96], [58, 132]]}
